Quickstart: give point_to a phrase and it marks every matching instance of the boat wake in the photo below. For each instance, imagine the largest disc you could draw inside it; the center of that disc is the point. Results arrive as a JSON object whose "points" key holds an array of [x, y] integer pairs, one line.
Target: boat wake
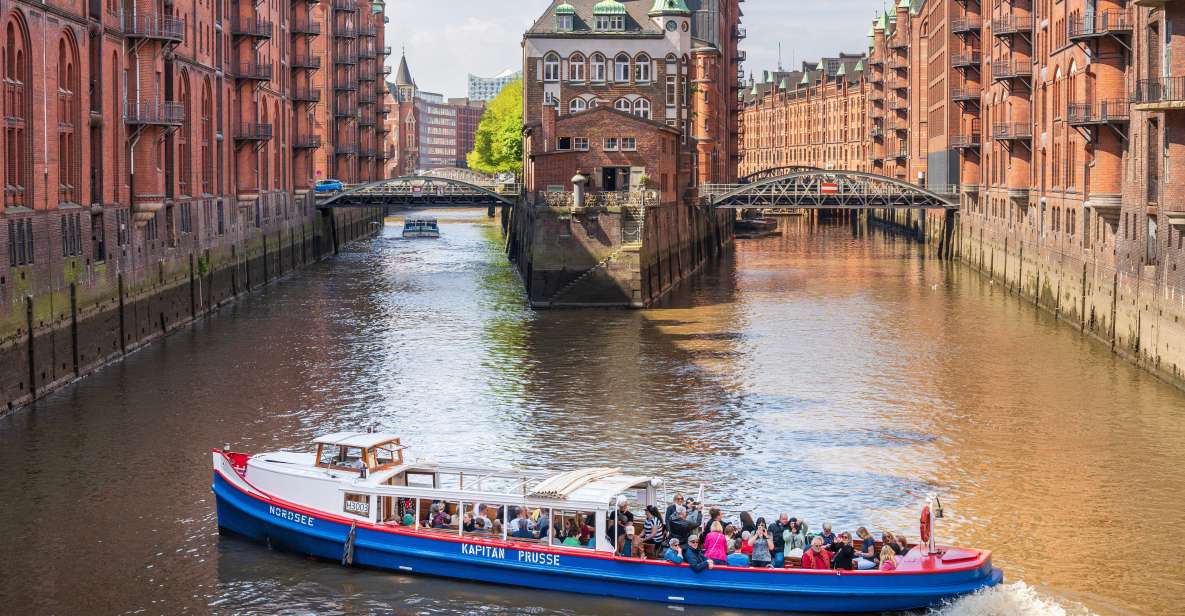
{"points": [[1018, 599]]}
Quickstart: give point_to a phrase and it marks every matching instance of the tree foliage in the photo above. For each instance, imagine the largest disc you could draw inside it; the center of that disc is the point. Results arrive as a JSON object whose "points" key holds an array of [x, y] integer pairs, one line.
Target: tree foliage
{"points": [[498, 145]]}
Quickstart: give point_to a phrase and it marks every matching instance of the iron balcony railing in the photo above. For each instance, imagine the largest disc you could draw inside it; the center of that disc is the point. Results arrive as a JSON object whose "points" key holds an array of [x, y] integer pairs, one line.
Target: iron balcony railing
{"points": [[306, 27], [1006, 131], [345, 149], [346, 31], [899, 43], [1098, 112], [899, 84], [366, 54], [250, 27], [966, 25], [365, 30], [965, 93], [366, 98], [876, 132], [1005, 70], [306, 94], [739, 32], [306, 61], [1162, 90], [970, 59], [154, 112], [345, 58], [964, 141], [346, 84], [253, 131], [387, 50], [366, 75], [306, 142], [876, 96], [154, 26], [257, 71], [1008, 25], [898, 63], [345, 111], [386, 70], [874, 79], [345, 5], [1113, 22]]}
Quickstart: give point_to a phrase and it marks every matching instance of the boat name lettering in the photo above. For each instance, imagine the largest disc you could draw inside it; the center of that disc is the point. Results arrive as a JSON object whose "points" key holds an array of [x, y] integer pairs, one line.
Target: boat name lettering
{"points": [[290, 516], [539, 558], [484, 551]]}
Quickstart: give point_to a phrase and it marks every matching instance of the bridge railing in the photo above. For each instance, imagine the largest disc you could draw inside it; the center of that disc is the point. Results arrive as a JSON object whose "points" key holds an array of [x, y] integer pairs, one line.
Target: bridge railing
{"points": [[601, 199]]}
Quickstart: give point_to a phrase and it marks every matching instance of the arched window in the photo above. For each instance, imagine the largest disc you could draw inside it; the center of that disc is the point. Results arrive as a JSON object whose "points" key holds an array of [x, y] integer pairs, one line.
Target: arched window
{"points": [[621, 68], [642, 68], [185, 138], [642, 108], [577, 105], [597, 68], [18, 148], [576, 68], [207, 139], [551, 67], [623, 105]]}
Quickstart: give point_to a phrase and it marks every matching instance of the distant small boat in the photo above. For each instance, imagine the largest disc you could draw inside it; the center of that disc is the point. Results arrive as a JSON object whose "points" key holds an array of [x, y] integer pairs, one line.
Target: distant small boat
{"points": [[420, 227]]}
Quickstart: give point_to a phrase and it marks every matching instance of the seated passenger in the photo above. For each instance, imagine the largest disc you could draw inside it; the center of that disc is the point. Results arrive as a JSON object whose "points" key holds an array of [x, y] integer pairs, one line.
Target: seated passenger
{"points": [[715, 544], [816, 557], [843, 554], [827, 535], [468, 525], [520, 527], [441, 519], [762, 543], [496, 527], [888, 559], [693, 557], [674, 554], [745, 547], [902, 544], [628, 545], [409, 519], [736, 559], [866, 558], [730, 533]]}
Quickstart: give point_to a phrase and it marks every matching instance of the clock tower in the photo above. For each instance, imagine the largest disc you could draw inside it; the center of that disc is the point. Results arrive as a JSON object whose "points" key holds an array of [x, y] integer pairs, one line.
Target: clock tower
{"points": [[674, 18]]}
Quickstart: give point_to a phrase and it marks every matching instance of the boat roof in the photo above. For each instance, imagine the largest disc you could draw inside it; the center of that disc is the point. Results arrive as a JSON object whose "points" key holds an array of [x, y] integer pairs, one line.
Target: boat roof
{"points": [[356, 439], [590, 484]]}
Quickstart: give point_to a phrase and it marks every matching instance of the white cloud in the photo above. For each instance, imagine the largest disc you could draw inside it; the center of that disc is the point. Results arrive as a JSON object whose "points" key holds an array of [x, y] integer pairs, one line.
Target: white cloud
{"points": [[448, 39]]}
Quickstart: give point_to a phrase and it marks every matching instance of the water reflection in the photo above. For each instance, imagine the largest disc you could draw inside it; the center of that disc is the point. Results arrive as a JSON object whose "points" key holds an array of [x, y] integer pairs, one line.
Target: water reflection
{"points": [[832, 372]]}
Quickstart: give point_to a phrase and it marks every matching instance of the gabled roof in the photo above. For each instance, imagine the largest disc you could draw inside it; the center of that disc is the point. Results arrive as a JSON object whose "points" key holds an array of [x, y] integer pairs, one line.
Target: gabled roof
{"points": [[636, 12]]}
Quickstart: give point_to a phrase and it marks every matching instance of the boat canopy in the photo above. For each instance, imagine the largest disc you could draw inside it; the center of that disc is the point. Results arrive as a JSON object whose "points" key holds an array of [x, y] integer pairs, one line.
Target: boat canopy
{"points": [[591, 485], [364, 440]]}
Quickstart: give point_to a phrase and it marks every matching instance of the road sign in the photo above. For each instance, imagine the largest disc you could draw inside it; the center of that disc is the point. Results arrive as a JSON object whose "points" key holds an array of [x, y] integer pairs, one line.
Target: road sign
{"points": [[828, 188]]}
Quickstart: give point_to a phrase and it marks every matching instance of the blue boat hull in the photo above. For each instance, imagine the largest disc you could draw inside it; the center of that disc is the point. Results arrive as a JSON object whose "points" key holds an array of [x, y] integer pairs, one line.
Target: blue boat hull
{"points": [[302, 532]]}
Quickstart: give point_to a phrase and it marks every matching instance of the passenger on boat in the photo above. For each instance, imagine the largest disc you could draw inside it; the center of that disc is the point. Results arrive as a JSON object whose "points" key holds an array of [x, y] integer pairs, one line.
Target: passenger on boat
{"points": [[827, 535], [672, 509], [888, 558], [542, 526], [843, 551], [680, 527], [468, 525], [730, 533], [889, 539], [622, 516], [441, 519], [654, 532], [520, 527], [409, 519], [572, 540], [777, 530], [747, 522], [695, 514], [716, 545], [794, 539], [482, 521], [629, 546], [762, 543], [744, 547], [714, 516], [902, 544], [816, 557], [693, 557], [674, 553], [866, 559]]}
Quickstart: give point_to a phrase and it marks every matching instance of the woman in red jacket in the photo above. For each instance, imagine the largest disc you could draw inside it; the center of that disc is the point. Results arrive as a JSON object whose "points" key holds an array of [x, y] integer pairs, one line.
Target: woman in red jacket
{"points": [[816, 557]]}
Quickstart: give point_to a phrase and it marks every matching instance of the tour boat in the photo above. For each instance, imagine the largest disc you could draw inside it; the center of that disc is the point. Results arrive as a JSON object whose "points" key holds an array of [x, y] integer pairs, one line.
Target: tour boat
{"points": [[362, 499], [420, 227]]}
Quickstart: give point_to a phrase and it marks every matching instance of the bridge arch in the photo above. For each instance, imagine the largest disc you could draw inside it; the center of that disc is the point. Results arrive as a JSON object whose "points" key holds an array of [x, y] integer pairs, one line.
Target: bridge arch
{"points": [[826, 189], [774, 172], [419, 190], [457, 173]]}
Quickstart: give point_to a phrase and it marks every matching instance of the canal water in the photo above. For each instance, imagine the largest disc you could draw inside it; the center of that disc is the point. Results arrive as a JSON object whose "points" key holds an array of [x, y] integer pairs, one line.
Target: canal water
{"points": [[835, 374]]}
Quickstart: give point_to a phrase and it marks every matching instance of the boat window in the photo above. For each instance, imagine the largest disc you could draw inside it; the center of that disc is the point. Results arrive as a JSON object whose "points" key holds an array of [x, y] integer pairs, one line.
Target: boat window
{"points": [[526, 524], [443, 515], [388, 453], [574, 529], [337, 456], [356, 504], [478, 520], [421, 480]]}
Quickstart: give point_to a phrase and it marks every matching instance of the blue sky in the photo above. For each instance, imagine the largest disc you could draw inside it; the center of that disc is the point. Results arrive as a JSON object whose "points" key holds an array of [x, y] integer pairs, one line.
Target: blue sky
{"points": [[448, 39]]}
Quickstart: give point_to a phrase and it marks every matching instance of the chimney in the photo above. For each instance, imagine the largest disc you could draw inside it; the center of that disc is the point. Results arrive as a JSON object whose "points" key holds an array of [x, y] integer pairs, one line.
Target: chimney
{"points": [[549, 119]]}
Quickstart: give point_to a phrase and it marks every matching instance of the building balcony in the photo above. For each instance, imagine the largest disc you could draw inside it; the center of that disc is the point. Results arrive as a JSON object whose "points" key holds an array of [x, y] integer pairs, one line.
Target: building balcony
{"points": [[387, 50], [345, 149], [965, 142], [345, 111], [365, 30], [1106, 23], [345, 58], [876, 132], [369, 153], [874, 96], [366, 76], [876, 114], [386, 70], [388, 154], [344, 85], [875, 79], [899, 105], [876, 61], [253, 131], [366, 121], [965, 94], [349, 32], [898, 63], [741, 55], [306, 142], [739, 33], [154, 113], [366, 98], [306, 62], [896, 150], [1099, 112], [1164, 94], [899, 43], [154, 27], [899, 84], [966, 25], [345, 5], [1012, 131], [306, 94], [1009, 25], [253, 71], [971, 59], [306, 27], [1006, 71], [250, 28], [366, 54]]}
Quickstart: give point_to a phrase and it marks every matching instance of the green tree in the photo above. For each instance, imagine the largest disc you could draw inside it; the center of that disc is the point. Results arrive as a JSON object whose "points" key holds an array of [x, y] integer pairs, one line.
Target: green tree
{"points": [[498, 144]]}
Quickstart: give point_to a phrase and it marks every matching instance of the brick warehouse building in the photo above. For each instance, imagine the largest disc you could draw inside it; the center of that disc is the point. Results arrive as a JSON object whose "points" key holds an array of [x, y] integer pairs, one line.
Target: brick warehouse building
{"points": [[176, 172], [631, 229], [430, 132], [815, 116]]}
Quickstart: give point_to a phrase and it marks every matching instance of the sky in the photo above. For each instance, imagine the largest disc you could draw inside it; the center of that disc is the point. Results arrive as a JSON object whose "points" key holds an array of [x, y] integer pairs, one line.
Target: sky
{"points": [[448, 39]]}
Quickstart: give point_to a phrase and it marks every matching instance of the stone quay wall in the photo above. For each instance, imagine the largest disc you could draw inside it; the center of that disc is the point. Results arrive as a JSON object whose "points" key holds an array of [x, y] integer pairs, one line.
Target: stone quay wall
{"points": [[62, 318]]}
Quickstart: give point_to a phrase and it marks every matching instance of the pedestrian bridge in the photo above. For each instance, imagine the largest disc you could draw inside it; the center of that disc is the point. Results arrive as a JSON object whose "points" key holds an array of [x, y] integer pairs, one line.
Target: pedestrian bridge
{"points": [[423, 191], [823, 189]]}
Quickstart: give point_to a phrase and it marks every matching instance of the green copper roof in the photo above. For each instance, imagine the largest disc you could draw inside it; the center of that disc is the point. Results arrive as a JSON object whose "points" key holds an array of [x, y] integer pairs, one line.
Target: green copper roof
{"points": [[806, 80], [820, 67], [754, 90], [785, 85], [663, 7], [609, 7], [904, 4], [859, 66], [843, 70], [769, 77], [565, 9], [882, 22]]}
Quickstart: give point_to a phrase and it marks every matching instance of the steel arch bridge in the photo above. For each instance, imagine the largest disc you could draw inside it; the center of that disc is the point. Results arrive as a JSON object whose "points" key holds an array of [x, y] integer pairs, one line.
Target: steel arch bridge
{"points": [[422, 191], [774, 172], [476, 178], [824, 189]]}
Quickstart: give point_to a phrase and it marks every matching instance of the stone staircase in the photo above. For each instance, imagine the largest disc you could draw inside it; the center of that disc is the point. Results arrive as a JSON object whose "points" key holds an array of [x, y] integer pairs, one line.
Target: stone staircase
{"points": [[602, 264]]}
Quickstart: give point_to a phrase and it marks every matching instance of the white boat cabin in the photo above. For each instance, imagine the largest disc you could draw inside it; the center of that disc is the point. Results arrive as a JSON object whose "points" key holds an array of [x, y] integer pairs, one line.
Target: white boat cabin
{"points": [[370, 476]]}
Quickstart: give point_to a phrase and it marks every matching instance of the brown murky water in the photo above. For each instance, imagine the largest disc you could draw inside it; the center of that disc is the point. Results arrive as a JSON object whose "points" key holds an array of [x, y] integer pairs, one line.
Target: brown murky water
{"points": [[836, 375]]}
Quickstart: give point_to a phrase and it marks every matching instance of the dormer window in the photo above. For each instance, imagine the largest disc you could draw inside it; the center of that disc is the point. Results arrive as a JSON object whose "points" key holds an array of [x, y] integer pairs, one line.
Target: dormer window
{"points": [[563, 23], [610, 23]]}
